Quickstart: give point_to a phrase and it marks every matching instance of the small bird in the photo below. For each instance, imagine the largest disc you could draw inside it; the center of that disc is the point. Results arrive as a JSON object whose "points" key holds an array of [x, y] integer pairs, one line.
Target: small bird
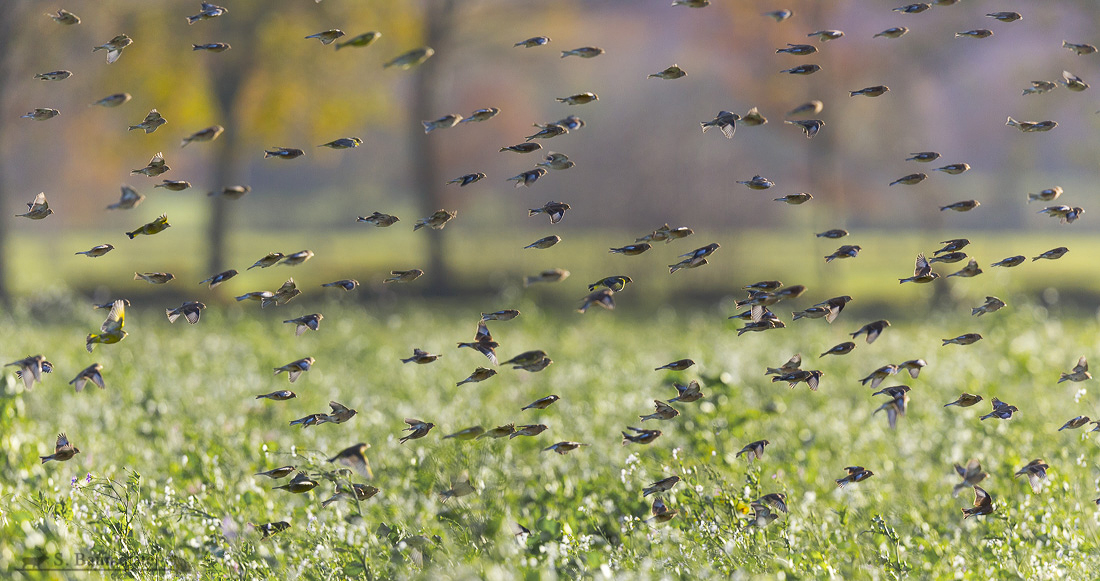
{"points": [[687, 393], [1001, 410], [444, 122], [404, 275], [963, 206], [678, 365], [212, 47], [795, 199], [923, 156], [724, 121], [585, 52], [436, 221], [277, 473], [551, 275], [631, 249], [1031, 126], [209, 134], [480, 115], [1036, 472], [797, 49], [156, 226], [410, 59], [347, 284], [991, 304], [547, 131], [271, 528], [528, 430], [360, 40], [483, 343], [776, 500], [1080, 49], [270, 260], [1065, 214], [965, 400], [296, 368], [874, 91], [603, 297], [379, 219], [954, 168], [152, 121], [523, 147], [1080, 372], [265, 297], [154, 277], [846, 251], [563, 447], [65, 17], [557, 161], [555, 210], [840, 349], [672, 72], [503, 315], [37, 209], [30, 369], [63, 450], [340, 413], [913, 366], [753, 118], [811, 377], [983, 502], [754, 450], [356, 493], [466, 434], [41, 114], [541, 403], [190, 311], [832, 234], [479, 374], [1006, 16], [758, 183], [155, 167], [616, 283], [283, 153], [300, 484], [579, 98], [544, 243], [793, 364], [765, 324], [834, 306], [219, 278], [533, 42], [872, 330], [1040, 87], [662, 411], [662, 485], [913, 8], [327, 37], [1053, 254], [1075, 423], [306, 322], [113, 100], [114, 48], [208, 11], [90, 373], [129, 199], [343, 143], [977, 33], [965, 339], [810, 127], [970, 270], [1073, 82], [922, 272], [971, 475], [893, 391], [97, 251], [526, 359], [805, 69], [421, 357], [417, 429], [894, 408], [528, 177], [54, 75], [812, 107], [661, 512], [1010, 261], [855, 474], [467, 179], [640, 436], [779, 15], [281, 395], [173, 185], [111, 331], [953, 245], [876, 377], [911, 179]]}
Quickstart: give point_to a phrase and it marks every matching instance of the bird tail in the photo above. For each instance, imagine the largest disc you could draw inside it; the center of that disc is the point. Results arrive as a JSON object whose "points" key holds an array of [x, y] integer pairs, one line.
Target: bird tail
{"points": [[529, 280], [1064, 377], [428, 126], [133, 127], [172, 316], [829, 258], [132, 235], [673, 268], [1012, 122], [976, 311], [46, 458]]}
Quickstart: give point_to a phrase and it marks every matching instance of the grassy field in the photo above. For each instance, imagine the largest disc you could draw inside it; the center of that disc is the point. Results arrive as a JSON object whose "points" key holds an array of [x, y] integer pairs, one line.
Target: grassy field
{"points": [[169, 449]]}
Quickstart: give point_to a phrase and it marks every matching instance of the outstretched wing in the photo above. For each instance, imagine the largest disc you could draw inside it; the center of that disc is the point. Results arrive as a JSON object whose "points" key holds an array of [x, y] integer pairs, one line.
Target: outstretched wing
{"points": [[116, 318]]}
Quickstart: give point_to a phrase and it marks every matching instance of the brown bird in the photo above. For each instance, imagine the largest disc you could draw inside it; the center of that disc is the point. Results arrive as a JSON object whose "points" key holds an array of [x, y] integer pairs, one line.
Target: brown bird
{"points": [[62, 451], [479, 374], [1001, 410], [563, 447], [840, 349], [755, 450], [965, 400], [300, 484], [687, 393], [483, 343], [541, 403], [421, 357], [662, 485], [793, 364], [855, 474], [499, 432], [663, 411], [661, 512], [983, 504], [922, 272], [358, 492], [640, 436], [872, 330], [678, 365], [281, 395], [1036, 472], [418, 429], [277, 473], [970, 475], [1080, 372], [913, 366], [355, 458], [528, 430], [812, 378], [1075, 423], [964, 339]]}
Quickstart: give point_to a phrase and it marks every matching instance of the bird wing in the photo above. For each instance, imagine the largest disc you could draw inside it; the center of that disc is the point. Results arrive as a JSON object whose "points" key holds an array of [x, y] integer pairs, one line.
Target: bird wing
{"points": [[1082, 365], [62, 442], [116, 318], [922, 267]]}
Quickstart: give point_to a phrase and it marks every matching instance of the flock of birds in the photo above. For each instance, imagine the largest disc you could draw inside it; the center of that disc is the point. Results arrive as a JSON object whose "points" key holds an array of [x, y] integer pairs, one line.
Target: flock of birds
{"points": [[758, 316]]}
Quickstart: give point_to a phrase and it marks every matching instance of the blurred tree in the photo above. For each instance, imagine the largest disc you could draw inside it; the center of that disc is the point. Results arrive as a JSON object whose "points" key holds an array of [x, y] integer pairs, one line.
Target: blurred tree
{"points": [[9, 37]]}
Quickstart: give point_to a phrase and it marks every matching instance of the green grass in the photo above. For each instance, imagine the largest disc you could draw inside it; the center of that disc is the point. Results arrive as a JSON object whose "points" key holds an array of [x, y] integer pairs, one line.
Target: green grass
{"points": [[172, 443]]}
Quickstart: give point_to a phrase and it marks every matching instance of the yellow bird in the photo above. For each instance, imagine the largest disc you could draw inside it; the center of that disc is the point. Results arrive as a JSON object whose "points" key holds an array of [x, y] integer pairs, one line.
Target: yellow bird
{"points": [[111, 330]]}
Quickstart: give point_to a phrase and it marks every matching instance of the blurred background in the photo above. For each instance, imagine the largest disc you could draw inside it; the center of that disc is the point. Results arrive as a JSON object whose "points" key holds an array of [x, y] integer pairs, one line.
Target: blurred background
{"points": [[641, 158]]}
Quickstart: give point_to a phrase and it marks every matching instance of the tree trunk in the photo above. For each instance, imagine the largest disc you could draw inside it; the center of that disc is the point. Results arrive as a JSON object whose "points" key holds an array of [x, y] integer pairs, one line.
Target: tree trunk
{"points": [[424, 152]]}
